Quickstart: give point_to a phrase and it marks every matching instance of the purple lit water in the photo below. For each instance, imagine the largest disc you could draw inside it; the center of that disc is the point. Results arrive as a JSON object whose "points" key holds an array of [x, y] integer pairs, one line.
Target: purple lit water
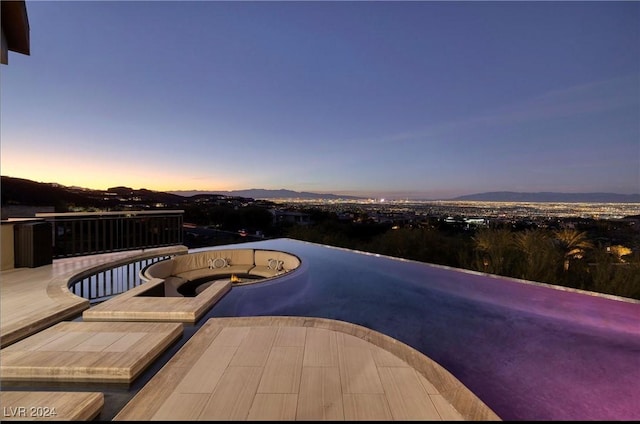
{"points": [[530, 352]]}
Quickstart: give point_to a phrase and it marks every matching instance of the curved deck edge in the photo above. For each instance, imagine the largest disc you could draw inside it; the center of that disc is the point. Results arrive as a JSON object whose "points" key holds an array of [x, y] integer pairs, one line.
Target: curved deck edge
{"points": [[463, 399], [152, 400]]}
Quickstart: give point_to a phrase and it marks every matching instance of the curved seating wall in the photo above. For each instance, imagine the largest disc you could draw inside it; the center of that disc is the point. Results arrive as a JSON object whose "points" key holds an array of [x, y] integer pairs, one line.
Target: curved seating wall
{"points": [[180, 269]]}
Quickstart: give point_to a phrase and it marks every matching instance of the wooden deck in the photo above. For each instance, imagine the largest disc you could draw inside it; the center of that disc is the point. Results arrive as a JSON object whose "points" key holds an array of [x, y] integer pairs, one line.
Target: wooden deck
{"points": [[32, 299], [293, 368], [134, 305], [93, 352], [286, 368]]}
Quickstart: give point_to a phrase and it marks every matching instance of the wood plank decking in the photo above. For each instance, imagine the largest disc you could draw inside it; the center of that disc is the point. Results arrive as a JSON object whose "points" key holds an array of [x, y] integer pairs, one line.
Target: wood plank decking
{"points": [[95, 352], [32, 299], [291, 368]]}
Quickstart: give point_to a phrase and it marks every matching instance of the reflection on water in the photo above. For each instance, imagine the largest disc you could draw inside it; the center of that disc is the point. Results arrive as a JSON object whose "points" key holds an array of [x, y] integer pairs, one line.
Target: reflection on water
{"points": [[528, 351]]}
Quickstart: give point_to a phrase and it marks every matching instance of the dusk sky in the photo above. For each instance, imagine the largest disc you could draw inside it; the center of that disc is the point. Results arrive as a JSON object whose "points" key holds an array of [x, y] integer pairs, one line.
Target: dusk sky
{"points": [[397, 99]]}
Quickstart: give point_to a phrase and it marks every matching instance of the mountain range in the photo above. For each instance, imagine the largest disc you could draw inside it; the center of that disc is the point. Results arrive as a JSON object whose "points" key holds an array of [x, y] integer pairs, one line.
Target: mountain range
{"points": [[20, 191], [551, 197], [495, 196], [260, 193]]}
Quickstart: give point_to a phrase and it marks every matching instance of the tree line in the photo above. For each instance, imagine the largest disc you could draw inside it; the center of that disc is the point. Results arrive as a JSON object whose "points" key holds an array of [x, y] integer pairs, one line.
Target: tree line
{"points": [[566, 257]]}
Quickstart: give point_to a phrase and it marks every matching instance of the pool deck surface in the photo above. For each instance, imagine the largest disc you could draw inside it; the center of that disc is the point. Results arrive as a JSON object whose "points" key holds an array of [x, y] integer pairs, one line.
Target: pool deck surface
{"points": [[285, 368]]}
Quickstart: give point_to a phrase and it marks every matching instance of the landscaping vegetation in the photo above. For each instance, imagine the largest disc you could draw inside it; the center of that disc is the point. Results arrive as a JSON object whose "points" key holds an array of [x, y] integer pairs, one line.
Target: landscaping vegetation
{"points": [[570, 257]]}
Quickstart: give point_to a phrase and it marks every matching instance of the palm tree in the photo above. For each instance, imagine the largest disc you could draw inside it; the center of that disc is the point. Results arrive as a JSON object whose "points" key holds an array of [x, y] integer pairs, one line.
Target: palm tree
{"points": [[493, 245], [537, 248], [572, 243]]}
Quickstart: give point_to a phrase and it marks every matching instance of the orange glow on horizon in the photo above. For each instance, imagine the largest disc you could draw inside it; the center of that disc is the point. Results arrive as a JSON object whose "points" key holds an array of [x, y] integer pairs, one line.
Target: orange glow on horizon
{"points": [[86, 179], [97, 175], [91, 172]]}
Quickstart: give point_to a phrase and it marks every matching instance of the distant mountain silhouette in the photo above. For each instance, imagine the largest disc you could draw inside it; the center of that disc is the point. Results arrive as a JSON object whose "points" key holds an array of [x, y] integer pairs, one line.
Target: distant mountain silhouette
{"points": [[148, 195], [20, 191], [260, 193], [511, 196]]}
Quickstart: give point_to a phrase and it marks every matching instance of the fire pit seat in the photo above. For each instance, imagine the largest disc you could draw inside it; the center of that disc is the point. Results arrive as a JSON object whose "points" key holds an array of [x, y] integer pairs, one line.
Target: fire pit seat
{"points": [[181, 269], [270, 263]]}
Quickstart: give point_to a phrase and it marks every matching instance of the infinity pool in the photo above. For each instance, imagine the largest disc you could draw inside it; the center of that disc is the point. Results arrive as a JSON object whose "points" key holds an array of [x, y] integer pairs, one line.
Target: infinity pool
{"points": [[529, 351]]}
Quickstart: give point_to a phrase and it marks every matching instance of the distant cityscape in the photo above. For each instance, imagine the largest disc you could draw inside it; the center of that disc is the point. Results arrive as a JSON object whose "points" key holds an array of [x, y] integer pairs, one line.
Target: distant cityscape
{"points": [[494, 196], [472, 209], [504, 238], [21, 197]]}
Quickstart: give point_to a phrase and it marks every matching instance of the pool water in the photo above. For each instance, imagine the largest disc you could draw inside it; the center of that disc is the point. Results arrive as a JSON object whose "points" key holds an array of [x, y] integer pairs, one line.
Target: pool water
{"points": [[529, 351]]}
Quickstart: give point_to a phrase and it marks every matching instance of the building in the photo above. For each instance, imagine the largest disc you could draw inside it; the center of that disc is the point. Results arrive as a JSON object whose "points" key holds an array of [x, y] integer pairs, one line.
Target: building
{"points": [[15, 29], [291, 217]]}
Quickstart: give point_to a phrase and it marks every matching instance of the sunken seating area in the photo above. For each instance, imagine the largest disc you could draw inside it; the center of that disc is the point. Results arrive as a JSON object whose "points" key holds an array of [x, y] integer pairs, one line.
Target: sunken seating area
{"points": [[184, 287], [218, 264]]}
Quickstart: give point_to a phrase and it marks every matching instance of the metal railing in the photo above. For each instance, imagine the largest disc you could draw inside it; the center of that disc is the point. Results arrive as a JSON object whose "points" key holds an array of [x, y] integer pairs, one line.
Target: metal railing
{"points": [[88, 233], [105, 283]]}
